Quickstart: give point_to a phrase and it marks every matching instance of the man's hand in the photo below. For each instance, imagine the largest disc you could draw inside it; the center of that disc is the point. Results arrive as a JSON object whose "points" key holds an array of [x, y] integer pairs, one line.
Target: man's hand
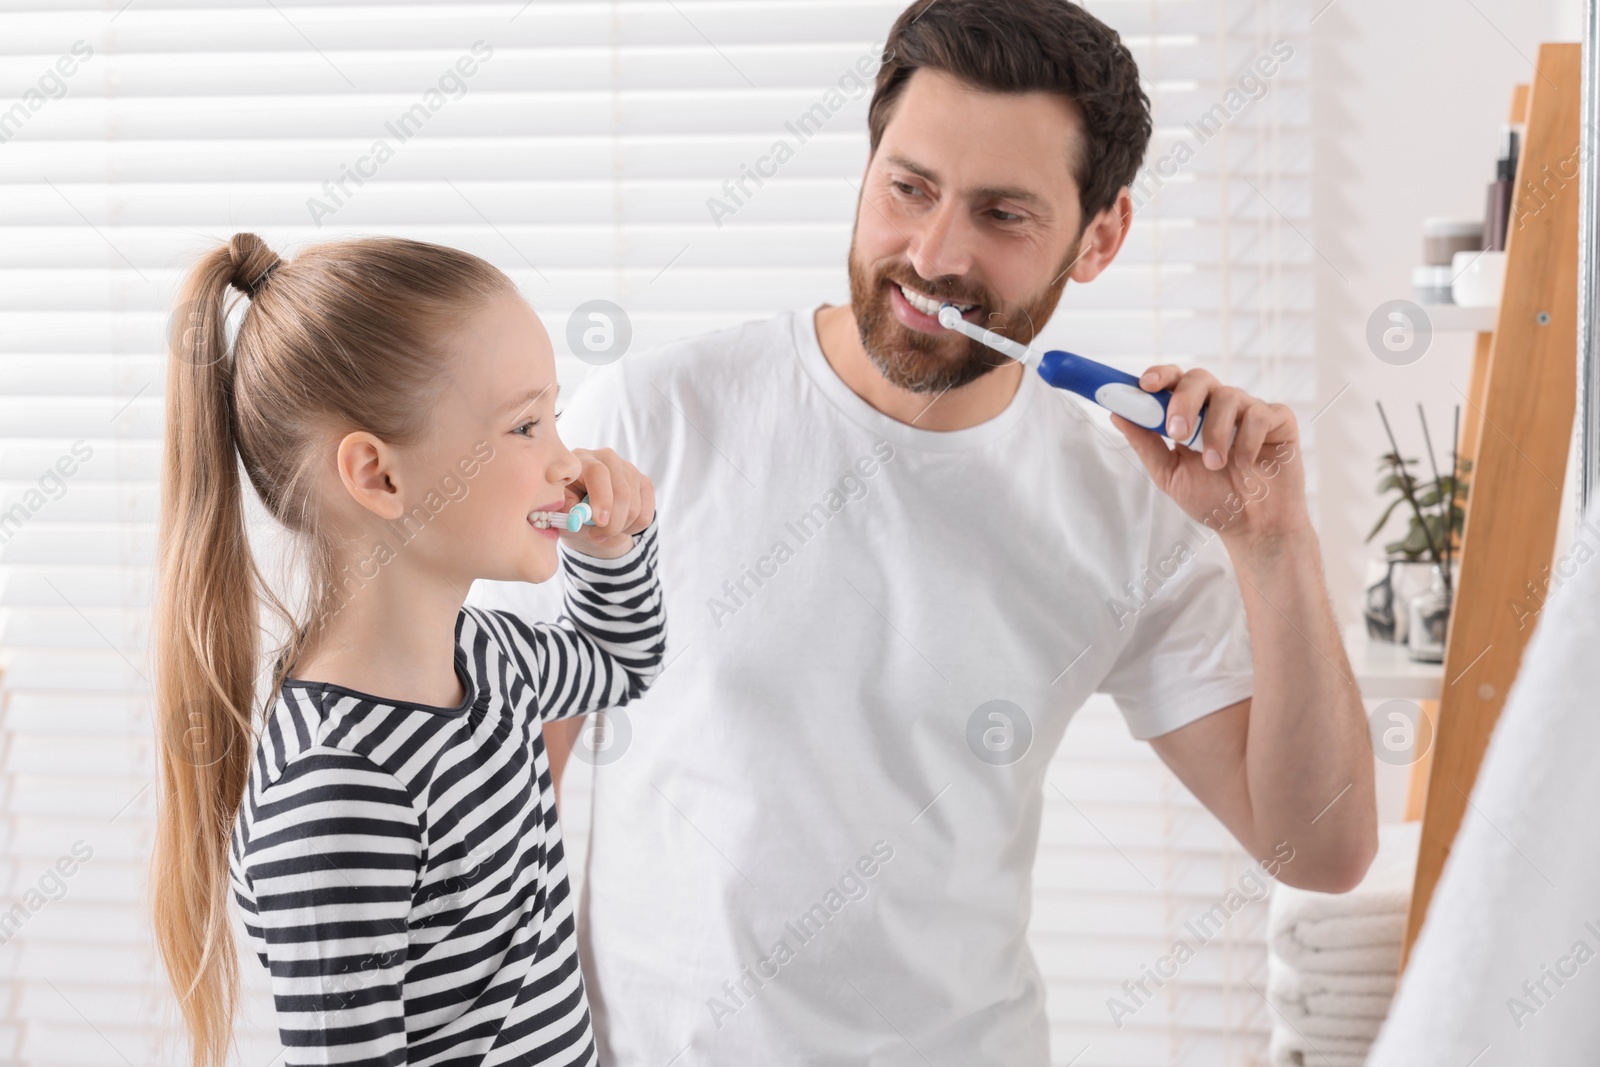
{"points": [[623, 499], [1247, 482]]}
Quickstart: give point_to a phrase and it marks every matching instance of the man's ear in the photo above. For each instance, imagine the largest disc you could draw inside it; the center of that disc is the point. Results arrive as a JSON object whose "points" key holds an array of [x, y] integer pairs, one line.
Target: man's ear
{"points": [[1103, 237], [367, 469]]}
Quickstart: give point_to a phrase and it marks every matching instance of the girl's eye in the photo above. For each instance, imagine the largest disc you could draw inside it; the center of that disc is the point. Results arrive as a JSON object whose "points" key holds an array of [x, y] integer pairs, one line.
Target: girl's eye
{"points": [[528, 426]]}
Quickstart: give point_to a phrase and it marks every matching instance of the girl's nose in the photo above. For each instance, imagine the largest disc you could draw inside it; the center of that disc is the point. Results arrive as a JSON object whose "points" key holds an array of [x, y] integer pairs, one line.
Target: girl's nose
{"points": [[567, 467]]}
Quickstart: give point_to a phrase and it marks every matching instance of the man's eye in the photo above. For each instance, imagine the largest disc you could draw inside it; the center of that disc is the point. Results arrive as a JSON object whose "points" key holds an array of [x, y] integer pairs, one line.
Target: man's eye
{"points": [[905, 187], [1004, 216]]}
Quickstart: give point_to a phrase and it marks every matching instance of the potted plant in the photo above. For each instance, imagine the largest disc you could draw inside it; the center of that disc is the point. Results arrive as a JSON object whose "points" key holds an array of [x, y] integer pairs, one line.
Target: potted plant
{"points": [[1418, 571]]}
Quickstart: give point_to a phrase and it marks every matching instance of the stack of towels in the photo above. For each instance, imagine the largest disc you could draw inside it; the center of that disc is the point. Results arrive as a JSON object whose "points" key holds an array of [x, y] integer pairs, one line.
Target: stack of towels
{"points": [[1334, 959]]}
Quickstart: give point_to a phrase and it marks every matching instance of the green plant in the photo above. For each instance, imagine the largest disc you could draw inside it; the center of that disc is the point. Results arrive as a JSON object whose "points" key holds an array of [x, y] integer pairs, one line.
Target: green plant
{"points": [[1416, 543], [1438, 515]]}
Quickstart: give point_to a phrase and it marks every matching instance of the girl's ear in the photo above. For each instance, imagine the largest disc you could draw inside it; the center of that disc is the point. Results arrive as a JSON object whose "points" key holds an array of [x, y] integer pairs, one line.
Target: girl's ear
{"points": [[367, 467]]}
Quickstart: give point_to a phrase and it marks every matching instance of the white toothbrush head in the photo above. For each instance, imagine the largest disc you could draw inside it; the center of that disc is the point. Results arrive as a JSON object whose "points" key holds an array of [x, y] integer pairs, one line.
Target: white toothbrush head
{"points": [[950, 318]]}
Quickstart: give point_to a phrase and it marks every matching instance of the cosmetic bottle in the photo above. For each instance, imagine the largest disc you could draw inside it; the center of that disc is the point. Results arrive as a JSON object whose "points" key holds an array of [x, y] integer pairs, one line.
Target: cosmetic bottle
{"points": [[1497, 210]]}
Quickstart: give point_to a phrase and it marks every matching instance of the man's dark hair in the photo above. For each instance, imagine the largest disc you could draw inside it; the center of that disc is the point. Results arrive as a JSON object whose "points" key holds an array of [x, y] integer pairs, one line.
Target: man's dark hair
{"points": [[1019, 46]]}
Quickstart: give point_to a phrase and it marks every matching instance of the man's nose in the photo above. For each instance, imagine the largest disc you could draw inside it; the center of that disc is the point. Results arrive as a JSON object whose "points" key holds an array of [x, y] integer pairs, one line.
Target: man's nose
{"points": [[943, 242]]}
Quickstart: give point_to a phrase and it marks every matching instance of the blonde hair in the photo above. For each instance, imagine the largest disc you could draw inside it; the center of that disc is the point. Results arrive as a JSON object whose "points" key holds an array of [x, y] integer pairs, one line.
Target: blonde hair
{"points": [[348, 336]]}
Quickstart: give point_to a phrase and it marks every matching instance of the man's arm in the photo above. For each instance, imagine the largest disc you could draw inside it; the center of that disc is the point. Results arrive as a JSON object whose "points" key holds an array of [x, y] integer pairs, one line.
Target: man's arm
{"points": [[1293, 764]]}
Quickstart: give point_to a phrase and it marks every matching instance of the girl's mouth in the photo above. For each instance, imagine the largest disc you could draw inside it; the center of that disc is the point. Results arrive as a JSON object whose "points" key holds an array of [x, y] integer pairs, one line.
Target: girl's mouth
{"points": [[539, 518]]}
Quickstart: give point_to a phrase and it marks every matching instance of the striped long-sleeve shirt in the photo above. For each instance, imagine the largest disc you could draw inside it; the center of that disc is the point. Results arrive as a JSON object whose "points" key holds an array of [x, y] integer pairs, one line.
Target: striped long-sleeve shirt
{"points": [[400, 866]]}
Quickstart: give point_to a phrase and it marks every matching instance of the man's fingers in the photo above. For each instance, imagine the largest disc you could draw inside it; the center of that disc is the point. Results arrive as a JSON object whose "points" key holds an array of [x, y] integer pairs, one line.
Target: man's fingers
{"points": [[1157, 378], [1188, 397], [1222, 418], [1252, 433]]}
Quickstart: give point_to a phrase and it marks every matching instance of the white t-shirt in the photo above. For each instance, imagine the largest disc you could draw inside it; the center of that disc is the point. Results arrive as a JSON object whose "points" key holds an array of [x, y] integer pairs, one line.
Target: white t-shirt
{"points": [[812, 838]]}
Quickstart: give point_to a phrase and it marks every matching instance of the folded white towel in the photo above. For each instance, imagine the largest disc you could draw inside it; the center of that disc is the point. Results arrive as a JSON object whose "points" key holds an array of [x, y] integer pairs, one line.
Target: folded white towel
{"points": [[1317, 1016], [1497, 976], [1290, 1049], [1324, 1027], [1320, 983], [1358, 932], [1334, 956], [1296, 993]]}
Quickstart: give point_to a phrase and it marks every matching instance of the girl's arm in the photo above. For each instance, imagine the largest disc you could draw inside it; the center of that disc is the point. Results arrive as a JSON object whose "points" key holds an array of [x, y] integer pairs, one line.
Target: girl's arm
{"points": [[611, 640], [333, 854]]}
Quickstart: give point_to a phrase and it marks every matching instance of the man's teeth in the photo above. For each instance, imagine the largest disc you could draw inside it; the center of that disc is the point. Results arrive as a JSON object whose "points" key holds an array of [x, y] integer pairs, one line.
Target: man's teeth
{"points": [[928, 305]]}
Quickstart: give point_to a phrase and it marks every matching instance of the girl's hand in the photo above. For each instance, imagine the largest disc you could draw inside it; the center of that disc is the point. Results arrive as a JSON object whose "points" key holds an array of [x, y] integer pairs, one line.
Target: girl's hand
{"points": [[623, 499]]}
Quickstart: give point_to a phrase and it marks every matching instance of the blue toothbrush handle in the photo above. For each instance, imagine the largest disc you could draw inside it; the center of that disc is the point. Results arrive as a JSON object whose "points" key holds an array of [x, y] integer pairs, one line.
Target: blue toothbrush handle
{"points": [[1115, 391]]}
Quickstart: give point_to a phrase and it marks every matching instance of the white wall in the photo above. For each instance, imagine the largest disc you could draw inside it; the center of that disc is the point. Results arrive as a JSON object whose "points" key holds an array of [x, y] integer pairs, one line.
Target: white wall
{"points": [[1409, 99]]}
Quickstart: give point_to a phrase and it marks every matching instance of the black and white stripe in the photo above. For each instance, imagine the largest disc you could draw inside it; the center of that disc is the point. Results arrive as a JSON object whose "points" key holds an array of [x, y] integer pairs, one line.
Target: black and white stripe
{"points": [[400, 867]]}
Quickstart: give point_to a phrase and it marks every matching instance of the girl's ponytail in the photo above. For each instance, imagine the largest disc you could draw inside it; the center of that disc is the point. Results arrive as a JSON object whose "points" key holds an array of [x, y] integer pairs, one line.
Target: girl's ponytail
{"points": [[206, 645]]}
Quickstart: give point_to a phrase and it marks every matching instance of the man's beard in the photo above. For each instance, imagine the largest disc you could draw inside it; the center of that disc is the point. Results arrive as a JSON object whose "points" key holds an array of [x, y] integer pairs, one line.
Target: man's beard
{"points": [[933, 363]]}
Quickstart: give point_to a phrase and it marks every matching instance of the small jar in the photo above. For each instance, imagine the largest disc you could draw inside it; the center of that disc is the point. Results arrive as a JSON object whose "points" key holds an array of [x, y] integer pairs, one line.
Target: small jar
{"points": [[1479, 278], [1442, 238], [1431, 285]]}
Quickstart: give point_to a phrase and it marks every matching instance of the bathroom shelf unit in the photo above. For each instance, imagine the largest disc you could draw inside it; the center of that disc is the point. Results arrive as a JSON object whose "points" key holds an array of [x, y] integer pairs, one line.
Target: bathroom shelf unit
{"points": [[1516, 429]]}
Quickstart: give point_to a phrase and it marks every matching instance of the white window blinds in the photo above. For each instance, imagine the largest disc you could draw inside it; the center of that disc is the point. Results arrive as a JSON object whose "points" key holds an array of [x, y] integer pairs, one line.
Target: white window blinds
{"points": [[575, 144]]}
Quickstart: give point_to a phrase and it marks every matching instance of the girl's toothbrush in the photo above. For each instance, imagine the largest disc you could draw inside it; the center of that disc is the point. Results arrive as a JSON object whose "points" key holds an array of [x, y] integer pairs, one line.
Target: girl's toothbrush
{"points": [[1110, 388], [581, 515]]}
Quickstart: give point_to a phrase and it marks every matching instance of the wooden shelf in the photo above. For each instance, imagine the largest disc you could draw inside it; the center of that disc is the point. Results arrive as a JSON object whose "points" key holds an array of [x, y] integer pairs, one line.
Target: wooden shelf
{"points": [[1386, 671]]}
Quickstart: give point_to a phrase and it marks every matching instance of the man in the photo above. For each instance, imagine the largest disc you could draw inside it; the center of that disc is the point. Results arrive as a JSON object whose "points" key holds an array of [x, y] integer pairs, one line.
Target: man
{"points": [[896, 564]]}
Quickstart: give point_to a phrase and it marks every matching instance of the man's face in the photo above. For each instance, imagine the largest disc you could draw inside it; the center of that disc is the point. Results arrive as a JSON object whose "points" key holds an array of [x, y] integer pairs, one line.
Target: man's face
{"points": [[969, 199]]}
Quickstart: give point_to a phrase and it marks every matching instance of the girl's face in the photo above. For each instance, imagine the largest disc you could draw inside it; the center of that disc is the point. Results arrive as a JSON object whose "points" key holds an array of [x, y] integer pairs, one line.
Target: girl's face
{"points": [[491, 457]]}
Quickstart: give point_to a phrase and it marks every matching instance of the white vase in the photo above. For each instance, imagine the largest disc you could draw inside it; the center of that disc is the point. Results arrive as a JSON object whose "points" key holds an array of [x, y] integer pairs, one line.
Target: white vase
{"points": [[1391, 586], [1430, 618]]}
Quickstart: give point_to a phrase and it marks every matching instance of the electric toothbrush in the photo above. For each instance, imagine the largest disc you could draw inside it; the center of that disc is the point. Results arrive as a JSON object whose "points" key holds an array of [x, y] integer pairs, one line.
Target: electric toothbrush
{"points": [[1112, 389]]}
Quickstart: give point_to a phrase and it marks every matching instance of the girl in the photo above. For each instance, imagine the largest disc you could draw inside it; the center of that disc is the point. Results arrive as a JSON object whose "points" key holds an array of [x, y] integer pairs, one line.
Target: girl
{"points": [[391, 836]]}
